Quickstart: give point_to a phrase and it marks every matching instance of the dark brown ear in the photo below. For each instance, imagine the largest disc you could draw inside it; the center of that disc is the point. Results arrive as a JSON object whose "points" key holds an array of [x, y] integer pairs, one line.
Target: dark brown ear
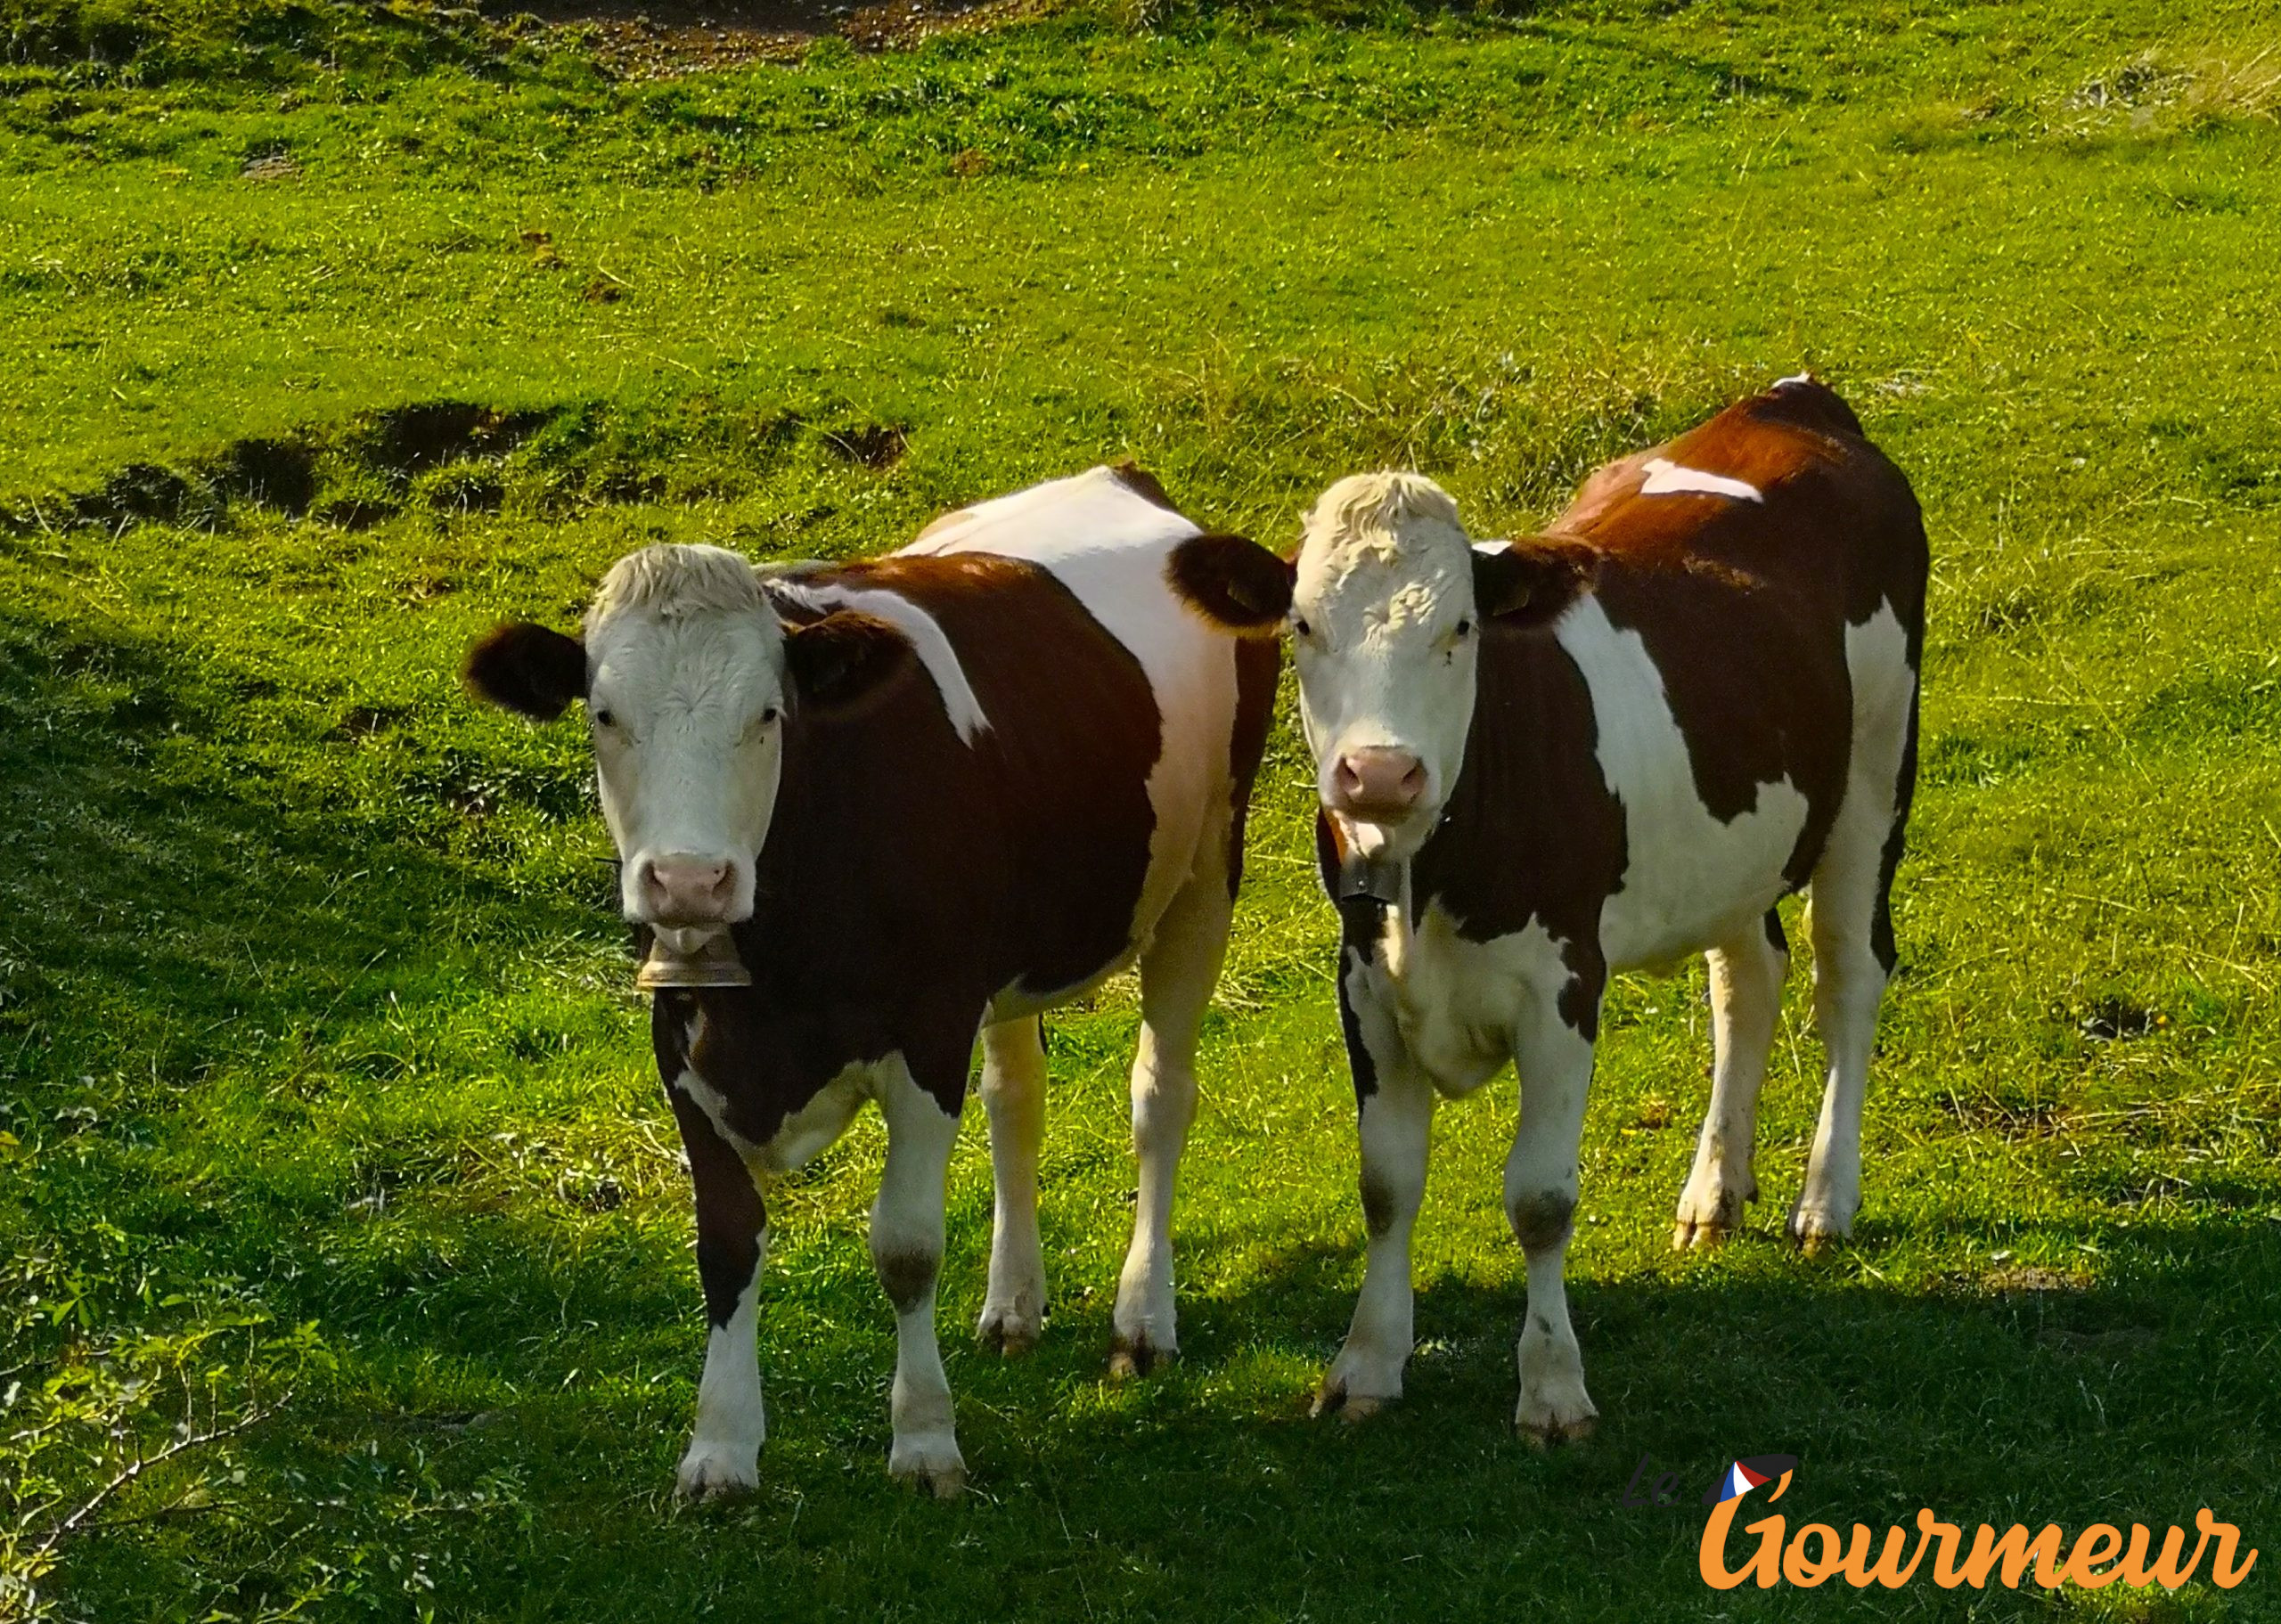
{"points": [[1528, 583], [844, 659], [529, 669], [1235, 582]]}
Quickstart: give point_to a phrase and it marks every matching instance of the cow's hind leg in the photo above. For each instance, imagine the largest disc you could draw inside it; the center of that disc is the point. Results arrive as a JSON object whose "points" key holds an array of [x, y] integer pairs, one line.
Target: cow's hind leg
{"points": [[1013, 1093], [1849, 981], [1746, 1005], [1850, 921], [907, 1251], [724, 1455], [1178, 972]]}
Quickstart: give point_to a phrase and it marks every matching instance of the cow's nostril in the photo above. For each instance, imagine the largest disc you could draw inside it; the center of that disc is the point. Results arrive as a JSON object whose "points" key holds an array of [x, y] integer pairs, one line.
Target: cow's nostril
{"points": [[1378, 782], [688, 890]]}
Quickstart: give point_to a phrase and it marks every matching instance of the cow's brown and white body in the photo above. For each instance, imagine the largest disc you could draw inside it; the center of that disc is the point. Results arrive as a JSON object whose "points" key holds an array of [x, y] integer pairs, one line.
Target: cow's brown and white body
{"points": [[1052, 788], [1694, 696]]}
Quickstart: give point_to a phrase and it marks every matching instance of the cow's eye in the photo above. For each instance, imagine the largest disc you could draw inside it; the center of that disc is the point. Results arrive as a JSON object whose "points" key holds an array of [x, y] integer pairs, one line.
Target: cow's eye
{"points": [[769, 717], [605, 718], [1465, 628], [1299, 624]]}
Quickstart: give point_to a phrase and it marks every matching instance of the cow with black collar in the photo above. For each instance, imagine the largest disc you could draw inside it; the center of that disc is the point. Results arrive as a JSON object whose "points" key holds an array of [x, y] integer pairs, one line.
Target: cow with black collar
{"points": [[1608, 746], [906, 802]]}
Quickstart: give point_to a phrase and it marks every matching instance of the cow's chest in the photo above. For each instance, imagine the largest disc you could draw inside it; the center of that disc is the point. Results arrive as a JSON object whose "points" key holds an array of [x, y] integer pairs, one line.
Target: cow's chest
{"points": [[1457, 1003], [770, 1143]]}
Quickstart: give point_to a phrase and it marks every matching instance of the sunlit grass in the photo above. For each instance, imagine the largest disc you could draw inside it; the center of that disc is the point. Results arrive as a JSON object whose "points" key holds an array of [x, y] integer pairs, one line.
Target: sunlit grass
{"points": [[325, 1085]]}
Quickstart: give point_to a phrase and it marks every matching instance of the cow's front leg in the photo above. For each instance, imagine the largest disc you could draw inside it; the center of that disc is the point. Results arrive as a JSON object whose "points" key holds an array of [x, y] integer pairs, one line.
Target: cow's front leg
{"points": [[1553, 1053], [907, 1251], [724, 1455], [1397, 1127], [1396, 1106]]}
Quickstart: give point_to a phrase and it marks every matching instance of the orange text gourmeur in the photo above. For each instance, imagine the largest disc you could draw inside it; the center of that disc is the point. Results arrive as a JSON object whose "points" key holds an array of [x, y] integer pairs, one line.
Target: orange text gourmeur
{"points": [[2101, 1555]]}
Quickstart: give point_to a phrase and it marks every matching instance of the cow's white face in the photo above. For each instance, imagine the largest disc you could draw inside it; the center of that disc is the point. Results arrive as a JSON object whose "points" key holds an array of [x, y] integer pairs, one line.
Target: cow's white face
{"points": [[1385, 633], [688, 717], [687, 676]]}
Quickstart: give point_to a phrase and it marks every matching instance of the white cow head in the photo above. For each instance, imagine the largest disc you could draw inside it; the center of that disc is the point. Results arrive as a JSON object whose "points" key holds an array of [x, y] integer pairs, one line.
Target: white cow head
{"points": [[688, 675], [1388, 602]]}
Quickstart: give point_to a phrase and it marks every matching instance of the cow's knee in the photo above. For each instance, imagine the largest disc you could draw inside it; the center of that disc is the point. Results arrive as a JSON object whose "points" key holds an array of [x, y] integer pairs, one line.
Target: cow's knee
{"points": [[906, 1272], [1541, 1219]]}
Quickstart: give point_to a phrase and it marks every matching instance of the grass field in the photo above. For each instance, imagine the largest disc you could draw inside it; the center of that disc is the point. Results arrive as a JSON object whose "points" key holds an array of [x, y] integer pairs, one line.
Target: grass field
{"points": [[331, 337]]}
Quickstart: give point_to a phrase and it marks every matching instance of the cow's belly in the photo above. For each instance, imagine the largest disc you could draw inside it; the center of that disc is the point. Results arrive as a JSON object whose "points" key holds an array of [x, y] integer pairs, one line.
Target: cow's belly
{"points": [[1019, 1001], [1455, 1002], [1192, 678], [1691, 882], [1188, 790]]}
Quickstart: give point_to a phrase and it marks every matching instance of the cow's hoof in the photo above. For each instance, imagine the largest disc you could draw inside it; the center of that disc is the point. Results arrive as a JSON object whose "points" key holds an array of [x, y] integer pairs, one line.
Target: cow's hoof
{"points": [[931, 1464], [1337, 1399], [716, 1473], [1818, 1233], [944, 1483], [1008, 1331], [1353, 1409], [1556, 1409], [1136, 1355], [1709, 1214], [1544, 1430]]}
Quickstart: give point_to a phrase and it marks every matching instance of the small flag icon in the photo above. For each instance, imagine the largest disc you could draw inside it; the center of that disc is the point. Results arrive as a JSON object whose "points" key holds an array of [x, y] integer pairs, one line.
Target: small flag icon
{"points": [[1748, 1474]]}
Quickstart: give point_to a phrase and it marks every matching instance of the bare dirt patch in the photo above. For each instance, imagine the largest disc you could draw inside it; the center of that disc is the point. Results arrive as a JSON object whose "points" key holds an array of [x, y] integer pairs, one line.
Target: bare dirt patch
{"points": [[651, 39]]}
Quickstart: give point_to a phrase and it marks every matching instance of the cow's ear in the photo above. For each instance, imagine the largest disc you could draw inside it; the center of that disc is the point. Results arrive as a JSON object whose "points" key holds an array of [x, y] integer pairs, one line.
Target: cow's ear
{"points": [[1234, 582], [528, 669], [844, 659], [1528, 583]]}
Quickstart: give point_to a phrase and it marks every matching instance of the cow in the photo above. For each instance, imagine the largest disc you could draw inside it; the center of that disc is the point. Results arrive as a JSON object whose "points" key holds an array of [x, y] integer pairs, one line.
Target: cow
{"points": [[1608, 746], [907, 801]]}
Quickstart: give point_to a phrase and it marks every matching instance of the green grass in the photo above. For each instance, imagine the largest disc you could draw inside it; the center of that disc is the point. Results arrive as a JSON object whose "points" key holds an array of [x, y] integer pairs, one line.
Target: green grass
{"points": [[325, 1089]]}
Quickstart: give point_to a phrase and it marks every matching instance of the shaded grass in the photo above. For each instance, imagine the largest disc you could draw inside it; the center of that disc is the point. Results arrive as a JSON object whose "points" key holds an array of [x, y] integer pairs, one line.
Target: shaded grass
{"points": [[322, 1071]]}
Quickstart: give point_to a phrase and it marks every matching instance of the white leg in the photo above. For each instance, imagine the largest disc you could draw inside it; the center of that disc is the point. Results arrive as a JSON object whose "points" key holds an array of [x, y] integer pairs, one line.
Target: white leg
{"points": [[1555, 1063], [1848, 982], [907, 1251], [1178, 973], [1013, 1093], [724, 1455], [1746, 1004], [1397, 1122], [1851, 925]]}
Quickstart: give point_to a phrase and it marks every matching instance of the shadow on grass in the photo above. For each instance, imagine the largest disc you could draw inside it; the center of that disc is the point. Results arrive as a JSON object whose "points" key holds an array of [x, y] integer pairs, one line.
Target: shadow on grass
{"points": [[172, 897], [1170, 1496]]}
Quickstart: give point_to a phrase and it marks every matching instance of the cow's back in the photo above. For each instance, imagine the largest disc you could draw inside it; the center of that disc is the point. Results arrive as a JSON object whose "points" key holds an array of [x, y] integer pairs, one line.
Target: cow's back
{"points": [[1698, 765], [1107, 537], [1781, 491]]}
